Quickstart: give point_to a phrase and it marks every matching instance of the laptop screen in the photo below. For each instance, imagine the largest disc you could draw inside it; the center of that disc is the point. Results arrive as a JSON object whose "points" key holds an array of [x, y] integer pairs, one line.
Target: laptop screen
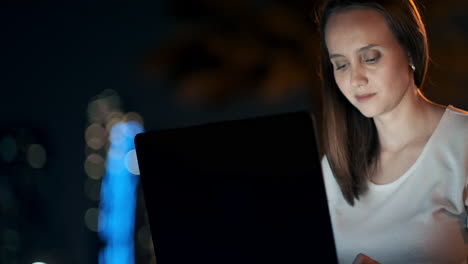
{"points": [[242, 191]]}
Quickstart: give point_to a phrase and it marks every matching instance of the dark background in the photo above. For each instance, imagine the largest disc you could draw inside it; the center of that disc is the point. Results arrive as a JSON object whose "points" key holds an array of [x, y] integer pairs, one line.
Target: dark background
{"points": [[57, 56]]}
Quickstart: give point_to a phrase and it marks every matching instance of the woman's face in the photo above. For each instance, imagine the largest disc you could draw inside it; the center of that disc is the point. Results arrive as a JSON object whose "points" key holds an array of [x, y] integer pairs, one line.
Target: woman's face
{"points": [[370, 67]]}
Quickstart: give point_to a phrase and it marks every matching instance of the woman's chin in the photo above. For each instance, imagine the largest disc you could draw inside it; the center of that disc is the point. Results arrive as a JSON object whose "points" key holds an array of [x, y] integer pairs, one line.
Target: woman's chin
{"points": [[367, 112]]}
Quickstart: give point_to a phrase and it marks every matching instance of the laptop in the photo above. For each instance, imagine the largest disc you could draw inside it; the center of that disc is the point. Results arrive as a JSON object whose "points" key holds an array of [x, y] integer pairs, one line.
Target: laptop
{"points": [[239, 191]]}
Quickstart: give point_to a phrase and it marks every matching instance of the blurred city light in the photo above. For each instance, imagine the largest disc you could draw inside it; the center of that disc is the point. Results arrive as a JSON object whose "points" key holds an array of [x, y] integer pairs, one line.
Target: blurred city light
{"points": [[111, 167], [133, 116], [36, 156], [100, 108], [113, 118], [131, 162], [93, 189], [118, 197], [91, 219], [95, 136], [94, 166]]}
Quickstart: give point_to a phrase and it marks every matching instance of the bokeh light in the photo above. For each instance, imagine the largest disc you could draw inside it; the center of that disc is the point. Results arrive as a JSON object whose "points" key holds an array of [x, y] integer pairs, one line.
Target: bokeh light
{"points": [[36, 156], [95, 136], [92, 189], [123, 130], [113, 118], [95, 166], [8, 148], [131, 162], [111, 165], [100, 108], [102, 152], [118, 133], [118, 197], [133, 116], [97, 110], [91, 219]]}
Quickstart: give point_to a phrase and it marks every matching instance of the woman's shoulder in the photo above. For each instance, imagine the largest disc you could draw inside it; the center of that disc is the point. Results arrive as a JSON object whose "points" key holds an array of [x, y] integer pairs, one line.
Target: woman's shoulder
{"points": [[458, 118], [456, 110], [454, 129]]}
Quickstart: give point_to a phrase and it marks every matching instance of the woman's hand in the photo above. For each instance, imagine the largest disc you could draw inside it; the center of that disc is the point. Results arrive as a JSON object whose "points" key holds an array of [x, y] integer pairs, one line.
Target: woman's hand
{"points": [[364, 259]]}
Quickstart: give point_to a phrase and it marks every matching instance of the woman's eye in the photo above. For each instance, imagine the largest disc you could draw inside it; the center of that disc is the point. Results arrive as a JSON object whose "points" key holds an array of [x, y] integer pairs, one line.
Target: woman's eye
{"points": [[339, 67], [371, 58]]}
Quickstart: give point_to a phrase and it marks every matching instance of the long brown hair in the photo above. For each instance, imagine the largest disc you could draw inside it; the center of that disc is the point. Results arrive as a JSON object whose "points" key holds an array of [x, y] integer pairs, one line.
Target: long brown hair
{"points": [[350, 140]]}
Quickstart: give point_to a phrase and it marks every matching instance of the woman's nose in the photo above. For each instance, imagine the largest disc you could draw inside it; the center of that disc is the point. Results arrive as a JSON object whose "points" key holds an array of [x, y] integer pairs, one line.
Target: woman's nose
{"points": [[358, 77]]}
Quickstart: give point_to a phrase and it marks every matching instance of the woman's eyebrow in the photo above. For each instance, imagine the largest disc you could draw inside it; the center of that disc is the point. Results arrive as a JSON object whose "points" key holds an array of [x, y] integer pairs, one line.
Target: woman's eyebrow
{"points": [[359, 50], [367, 47]]}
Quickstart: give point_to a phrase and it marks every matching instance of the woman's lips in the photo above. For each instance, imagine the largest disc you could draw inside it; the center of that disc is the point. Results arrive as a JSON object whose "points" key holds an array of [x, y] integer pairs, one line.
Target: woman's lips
{"points": [[364, 97]]}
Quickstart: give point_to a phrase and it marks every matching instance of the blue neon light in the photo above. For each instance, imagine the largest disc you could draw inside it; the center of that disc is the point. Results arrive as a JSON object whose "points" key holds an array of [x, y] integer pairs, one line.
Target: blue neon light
{"points": [[118, 198]]}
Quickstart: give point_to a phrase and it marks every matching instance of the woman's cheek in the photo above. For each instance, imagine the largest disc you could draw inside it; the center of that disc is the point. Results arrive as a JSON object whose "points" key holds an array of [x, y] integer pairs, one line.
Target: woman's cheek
{"points": [[343, 87]]}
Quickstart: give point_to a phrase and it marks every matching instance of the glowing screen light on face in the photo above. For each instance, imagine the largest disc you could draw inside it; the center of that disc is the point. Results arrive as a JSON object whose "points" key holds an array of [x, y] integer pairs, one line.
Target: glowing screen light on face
{"points": [[118, 197]]}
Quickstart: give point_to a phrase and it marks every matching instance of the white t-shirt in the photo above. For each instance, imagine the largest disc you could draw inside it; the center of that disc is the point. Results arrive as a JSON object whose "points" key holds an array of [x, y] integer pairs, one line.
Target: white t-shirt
{"points": [[418, 218]]}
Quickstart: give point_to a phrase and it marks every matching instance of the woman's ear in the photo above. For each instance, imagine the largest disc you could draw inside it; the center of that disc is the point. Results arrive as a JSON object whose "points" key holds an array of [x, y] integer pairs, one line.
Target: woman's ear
{"points": [[410, 62], [410, 59]]}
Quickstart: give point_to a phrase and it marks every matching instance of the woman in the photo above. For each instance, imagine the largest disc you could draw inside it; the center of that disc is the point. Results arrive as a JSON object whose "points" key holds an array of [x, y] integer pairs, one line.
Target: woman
{"points": [[395, 164]]}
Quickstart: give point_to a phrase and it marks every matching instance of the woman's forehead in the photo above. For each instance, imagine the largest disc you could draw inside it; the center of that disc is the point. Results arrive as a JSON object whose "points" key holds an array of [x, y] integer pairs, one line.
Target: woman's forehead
{"points": [[350, 30]]}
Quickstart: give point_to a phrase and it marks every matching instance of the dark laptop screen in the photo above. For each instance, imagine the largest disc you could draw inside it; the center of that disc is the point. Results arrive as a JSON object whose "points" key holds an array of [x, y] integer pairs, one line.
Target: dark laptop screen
{"points": [[244, 191]]}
